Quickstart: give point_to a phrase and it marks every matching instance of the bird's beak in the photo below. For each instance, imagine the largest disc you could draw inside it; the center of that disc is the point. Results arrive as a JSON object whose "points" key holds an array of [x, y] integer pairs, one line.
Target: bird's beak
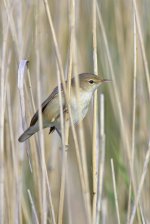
{"points": [[106, 80]]}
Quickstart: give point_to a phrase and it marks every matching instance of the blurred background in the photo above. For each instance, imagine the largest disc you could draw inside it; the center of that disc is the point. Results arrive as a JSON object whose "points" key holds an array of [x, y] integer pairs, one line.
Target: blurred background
{"points": [[32, 191]]}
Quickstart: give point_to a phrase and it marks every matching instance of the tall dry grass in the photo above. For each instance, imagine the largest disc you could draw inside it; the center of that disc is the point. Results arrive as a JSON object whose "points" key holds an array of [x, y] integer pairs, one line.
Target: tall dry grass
{"points": [[99, 172]]}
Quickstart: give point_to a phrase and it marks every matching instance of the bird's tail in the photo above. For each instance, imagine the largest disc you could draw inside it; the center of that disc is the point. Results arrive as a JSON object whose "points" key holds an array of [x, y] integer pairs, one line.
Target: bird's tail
{"points": [[28, 133]]}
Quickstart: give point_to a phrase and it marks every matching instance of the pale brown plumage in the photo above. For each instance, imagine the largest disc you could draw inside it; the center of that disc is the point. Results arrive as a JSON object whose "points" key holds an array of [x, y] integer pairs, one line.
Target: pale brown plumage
{"points": [[50, 107]]}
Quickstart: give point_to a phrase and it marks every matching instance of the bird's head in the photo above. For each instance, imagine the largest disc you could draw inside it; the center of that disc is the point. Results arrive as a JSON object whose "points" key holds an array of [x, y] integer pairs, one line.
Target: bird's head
{"points": [[89, 82]]}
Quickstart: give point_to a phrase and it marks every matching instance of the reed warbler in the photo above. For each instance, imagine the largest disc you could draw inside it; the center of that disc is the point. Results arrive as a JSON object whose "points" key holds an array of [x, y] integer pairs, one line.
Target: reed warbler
{"points": [[50, 108]]}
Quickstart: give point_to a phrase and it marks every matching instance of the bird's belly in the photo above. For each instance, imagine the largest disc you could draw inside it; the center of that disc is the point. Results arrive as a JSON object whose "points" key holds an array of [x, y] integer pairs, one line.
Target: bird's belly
{"points": [[79, 115]]}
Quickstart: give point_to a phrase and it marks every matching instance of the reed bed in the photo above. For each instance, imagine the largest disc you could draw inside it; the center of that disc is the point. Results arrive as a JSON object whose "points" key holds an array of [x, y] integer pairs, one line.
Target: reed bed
{"points": [[99, 171]]}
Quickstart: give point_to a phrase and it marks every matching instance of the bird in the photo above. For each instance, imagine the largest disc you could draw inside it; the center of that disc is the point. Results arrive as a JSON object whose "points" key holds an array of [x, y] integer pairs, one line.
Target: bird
{"points": [[50, 108]]}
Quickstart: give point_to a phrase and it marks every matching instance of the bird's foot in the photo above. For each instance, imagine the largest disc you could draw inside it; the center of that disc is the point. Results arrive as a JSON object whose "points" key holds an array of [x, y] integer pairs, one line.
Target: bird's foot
{"points": [[66, 147]]}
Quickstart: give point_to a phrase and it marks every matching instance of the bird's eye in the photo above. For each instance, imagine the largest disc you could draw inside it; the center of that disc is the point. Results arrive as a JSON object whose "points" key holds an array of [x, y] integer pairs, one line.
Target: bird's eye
{"points": [[91, 81]]}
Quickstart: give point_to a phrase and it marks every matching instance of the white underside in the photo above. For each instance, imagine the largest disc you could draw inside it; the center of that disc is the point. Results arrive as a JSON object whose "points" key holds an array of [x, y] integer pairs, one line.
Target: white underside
{"points": [[80, 109]]}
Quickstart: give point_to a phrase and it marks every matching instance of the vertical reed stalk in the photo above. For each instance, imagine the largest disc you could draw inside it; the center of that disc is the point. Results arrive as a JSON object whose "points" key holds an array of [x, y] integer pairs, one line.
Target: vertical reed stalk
{"points": [[134, 107], [115, 191], [2, 112], [142, 46], [141, 183], [101, 160], [64, 156], [41, 140], [95, 119], [83, 159], [36, 221]]}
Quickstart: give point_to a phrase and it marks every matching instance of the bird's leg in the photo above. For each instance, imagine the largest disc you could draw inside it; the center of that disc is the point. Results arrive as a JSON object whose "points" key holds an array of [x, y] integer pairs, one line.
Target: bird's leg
{"points": [[59, 133], [52, 129]]}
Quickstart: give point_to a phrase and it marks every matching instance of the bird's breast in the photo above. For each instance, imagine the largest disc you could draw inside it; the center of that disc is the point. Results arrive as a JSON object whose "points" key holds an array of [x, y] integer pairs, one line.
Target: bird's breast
{"points": [[79, 107]]}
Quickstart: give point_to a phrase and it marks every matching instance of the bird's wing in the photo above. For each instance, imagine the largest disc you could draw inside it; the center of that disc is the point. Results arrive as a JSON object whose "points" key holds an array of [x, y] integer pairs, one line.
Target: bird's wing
{"points": [[50, 107]]}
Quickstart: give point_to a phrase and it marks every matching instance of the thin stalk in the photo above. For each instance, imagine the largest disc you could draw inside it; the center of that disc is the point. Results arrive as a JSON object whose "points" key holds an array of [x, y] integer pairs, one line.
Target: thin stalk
{"points": [[62, 190], [63, 174], [137, 18], [67, 124], [115, 191], [25, 210], [9, 9], [83, 153], [21, 74], [95, 120], [30, 88], [36, 221], [134, 106], [43, 188], [101, 159], [2, 112], [17, 186], [84, 177], [41, 138], [58, 56], [43, 178], [141, 183], [22, 125], [104, 212]]}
